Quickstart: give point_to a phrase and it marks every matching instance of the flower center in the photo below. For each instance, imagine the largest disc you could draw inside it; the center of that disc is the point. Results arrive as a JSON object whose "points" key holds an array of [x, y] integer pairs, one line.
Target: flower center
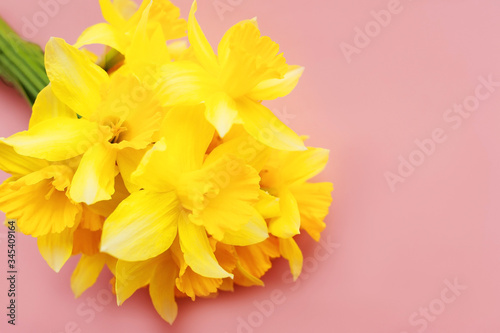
{"points": [[116, 130], [115, 124]]}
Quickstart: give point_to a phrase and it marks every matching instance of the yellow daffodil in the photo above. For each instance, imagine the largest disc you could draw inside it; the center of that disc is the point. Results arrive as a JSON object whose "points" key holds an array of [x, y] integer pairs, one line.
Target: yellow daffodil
{"points": [[37, 195], [302, 204], [247, 70], [95, 116], [122, 18]]}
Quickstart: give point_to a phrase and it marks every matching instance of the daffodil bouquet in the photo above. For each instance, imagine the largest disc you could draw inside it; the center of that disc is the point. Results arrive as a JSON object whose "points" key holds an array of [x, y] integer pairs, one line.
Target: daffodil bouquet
{"points": [[159, 160]]}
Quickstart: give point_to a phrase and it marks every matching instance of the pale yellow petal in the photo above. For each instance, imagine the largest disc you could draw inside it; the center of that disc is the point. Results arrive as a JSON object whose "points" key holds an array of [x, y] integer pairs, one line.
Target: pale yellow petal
{"points": [[275, 88], [197, 250], [162, 289], [111, 12], [105, 208], [86, 272], [56, 248], [57, 139], [102, 33], [296, 167], [221, 112], [94, 179], [151, 172], [243, 147], [288, 224], [185, 83], [18, 165], [204, 52], [128, 161], [48, 106], [291, 252], [255, 231], [143, 226], [187, 135], [75, 80], [265, 127], [148, 45], [126, 8], [131, 276]]}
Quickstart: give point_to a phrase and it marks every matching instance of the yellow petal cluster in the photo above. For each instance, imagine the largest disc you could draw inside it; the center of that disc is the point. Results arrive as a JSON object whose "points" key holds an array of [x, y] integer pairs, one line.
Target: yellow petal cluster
{"points": [[167, 168]]}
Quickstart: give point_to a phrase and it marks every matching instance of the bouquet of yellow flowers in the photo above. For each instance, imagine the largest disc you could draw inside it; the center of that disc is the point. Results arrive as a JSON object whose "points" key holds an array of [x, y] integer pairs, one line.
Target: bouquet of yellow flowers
{"points": [[159, 160]]}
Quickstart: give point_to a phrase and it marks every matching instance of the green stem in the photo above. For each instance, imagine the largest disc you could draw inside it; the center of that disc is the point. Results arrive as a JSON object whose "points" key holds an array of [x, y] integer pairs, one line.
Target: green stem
{"points": [[21, 63]]}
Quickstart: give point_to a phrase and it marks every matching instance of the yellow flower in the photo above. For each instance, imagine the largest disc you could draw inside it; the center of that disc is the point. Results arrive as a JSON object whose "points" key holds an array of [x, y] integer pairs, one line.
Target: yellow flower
{"points": [[105, 120], [122, 18], [187, 195], [302, 204], [37, 195], [247, 70]]}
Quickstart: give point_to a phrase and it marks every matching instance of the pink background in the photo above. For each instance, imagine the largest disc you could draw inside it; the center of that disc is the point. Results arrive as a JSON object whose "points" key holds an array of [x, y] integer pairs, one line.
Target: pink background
{"points": [[395, 251]]}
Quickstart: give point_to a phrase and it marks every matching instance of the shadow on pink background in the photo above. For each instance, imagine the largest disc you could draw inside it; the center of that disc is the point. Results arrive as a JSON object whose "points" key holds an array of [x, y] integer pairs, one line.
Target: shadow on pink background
{"points": [[420, 255]]}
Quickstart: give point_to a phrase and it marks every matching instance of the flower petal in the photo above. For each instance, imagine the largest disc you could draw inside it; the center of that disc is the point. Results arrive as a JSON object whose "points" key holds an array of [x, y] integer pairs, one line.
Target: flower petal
{"points": [[150, 173], [296, 167], [185, 83], [275, 88], [193, 284], [105, 208], [18, 165], [221, 112], [162, 287], [95, 177], [111, 12], [243, 278], [288, 224], [39, 207], [75, 80], [243, 147], [291, 251], [128, 161], [187, 135], [56, 139], [197, 250], [221, 196], [202, 49], [255, 231], [247, 58], [142, 226], [102, 33], [131, 276], [256, 259], [265, 127], [86, 272], [48, 106], [268, 205], [148, 43], [56, 248], [313, 200]]}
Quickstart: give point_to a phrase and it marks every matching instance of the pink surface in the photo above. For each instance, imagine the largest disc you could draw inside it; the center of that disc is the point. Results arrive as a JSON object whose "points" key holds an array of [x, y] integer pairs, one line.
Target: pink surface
{"points": [[395, 252]]}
